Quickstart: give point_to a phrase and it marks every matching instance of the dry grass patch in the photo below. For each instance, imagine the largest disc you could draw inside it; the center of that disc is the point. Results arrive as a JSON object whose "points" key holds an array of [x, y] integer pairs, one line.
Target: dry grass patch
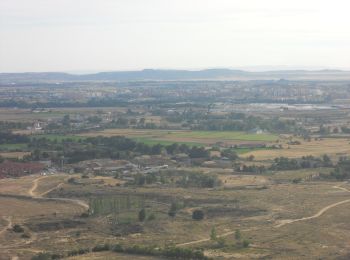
{"points": [[243, 180], [15, 155], [335, 147], [18, 186], [25, 208], [110, 256]]}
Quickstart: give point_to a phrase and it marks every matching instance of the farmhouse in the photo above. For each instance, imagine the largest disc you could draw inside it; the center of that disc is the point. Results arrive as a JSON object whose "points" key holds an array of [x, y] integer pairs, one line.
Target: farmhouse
{"points": [[256, 130]]}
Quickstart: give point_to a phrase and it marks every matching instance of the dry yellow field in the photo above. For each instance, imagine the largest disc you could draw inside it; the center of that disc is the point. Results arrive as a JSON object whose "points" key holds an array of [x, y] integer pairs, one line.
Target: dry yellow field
{"points": [[24, 208], [243, 180], [16, 155], [334, 147], [19, 186]]}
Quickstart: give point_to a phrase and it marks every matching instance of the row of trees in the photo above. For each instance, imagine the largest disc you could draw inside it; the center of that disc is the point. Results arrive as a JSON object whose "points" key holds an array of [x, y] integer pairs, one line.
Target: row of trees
{"points": [[283, 163], [286, 164], [342, 169], [116, 147], [166, 252], [7, 137]]}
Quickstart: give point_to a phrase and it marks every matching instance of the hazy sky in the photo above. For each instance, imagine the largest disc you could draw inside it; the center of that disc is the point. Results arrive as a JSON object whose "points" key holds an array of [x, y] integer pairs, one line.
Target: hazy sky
{"points": [[82, 35]]}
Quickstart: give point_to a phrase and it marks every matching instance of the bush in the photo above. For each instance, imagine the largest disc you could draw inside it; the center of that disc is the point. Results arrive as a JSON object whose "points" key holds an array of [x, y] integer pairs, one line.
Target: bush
{"points": [[246, 243], [172, 210], [238, 234], [151, 217], [142, 215], [221, 242], [56, 256], [101, 248], [72, 180], [198, 214], [84, 215], [42, 256], [118, 248], [296, 180], [18, 229], [25, 235], [80, 251]]}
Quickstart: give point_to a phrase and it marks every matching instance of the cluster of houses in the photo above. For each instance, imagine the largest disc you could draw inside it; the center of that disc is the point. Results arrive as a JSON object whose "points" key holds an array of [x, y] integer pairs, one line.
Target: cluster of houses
{"points": [[125, 170]]}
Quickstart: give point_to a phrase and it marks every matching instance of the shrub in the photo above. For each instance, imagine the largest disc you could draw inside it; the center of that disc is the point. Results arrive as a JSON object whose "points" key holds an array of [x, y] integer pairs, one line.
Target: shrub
{"points": [[246, 243], [238, 234], [84, 215], [142, 215], [18, 229], [118, 248], [172, 210], [151, 217], [42, 256], [213, 235], [198, 214], [25, 235], [221, 242], [56, 256], [101, 248]]}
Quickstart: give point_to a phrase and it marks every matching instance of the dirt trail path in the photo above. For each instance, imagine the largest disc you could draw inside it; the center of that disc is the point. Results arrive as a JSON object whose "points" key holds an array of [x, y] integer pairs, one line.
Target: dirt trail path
{"points": [[52, 189], [9, 224], [318, 214], [32, 193], [208, 239]]}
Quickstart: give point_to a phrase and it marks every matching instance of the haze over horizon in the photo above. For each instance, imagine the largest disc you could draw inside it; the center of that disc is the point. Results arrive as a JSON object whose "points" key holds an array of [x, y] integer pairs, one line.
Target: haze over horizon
{"points": [[91, 36]]}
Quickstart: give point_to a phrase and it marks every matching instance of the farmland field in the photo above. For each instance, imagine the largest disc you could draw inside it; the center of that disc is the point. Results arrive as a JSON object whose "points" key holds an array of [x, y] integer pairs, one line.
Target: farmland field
{"points": [[335, 147], [188, 137], [12, 147]]}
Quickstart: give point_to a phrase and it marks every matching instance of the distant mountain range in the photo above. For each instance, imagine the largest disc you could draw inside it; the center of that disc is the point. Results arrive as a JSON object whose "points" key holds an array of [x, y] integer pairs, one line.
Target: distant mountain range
{"points": [[158, 75]]}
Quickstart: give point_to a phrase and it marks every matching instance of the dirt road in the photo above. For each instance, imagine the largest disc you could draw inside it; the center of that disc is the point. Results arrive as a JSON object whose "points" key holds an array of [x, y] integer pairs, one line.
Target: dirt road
{"points": [[9, 224], [318, 214], [208, 239], [32, 193]]}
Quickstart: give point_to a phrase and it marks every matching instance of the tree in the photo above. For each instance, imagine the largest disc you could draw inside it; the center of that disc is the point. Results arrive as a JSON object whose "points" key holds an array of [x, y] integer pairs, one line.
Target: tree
{"points": [[172, 210], [18, 229], [238, 234], [66, 120], [221, 241], [151, 217], [232, 155], [251, 158], [327, 162], [213, 234], [142, 215], [198, 214], [246, 243]]}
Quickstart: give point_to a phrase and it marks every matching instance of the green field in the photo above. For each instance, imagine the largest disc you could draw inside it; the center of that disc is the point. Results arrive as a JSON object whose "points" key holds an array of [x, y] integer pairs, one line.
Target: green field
{"points": [[150, 141], [191, 138], [12, 147], [226, 135]]}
